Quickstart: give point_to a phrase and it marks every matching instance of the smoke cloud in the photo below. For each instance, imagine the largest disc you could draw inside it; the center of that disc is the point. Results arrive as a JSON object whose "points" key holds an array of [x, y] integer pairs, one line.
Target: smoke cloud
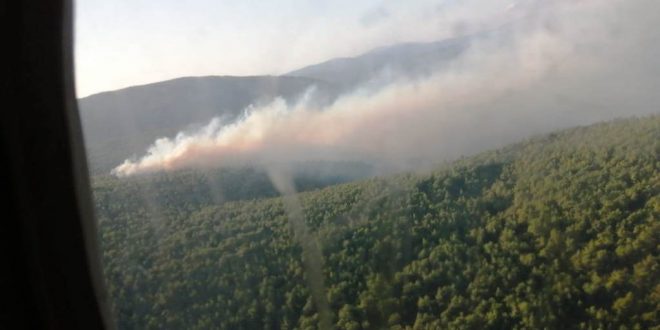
{"points": [[550, 65]]}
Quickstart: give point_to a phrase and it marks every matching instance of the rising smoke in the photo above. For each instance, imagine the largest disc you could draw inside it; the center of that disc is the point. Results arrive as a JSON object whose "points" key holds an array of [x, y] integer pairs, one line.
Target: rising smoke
{"points": [[549, 65]]}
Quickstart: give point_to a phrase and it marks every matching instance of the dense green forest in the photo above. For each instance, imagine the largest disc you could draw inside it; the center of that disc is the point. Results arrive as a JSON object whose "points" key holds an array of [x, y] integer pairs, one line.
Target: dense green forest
{"points": [[558, 232]]}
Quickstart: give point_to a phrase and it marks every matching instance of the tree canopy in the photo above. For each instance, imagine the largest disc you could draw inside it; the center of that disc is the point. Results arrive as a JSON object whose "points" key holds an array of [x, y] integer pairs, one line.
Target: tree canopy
{"points": [[560, 231]]}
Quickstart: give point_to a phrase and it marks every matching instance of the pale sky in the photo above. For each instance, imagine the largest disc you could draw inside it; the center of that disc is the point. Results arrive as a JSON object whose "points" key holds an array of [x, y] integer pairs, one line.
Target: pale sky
{"points": [[121, 43]]}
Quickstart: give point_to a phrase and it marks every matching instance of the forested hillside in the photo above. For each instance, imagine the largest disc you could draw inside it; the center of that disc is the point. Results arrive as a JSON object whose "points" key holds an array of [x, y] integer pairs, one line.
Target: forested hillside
{"points": [[558, 232]]}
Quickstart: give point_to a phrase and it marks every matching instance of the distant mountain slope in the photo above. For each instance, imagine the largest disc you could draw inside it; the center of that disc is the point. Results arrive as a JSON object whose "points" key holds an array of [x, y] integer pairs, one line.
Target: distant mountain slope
{"points": [[405, 59], [125, 122], [557, 232]]}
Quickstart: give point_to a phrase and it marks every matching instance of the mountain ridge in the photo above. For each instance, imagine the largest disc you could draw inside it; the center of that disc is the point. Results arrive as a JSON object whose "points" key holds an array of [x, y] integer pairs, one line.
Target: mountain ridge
{"points": [[407, 59]]}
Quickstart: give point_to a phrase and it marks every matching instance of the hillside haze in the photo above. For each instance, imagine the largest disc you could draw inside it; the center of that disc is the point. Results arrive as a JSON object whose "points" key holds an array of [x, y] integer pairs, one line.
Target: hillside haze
{"points": [[123, 123], [407, 60]]}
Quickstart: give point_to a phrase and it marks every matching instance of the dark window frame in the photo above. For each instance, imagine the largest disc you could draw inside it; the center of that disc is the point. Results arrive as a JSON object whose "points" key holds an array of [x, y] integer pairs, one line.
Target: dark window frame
{"points": [[51, 277]]}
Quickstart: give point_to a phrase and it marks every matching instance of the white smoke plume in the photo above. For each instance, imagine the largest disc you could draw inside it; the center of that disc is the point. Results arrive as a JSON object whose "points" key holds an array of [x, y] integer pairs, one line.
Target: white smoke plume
{"points": [[552, 65]]}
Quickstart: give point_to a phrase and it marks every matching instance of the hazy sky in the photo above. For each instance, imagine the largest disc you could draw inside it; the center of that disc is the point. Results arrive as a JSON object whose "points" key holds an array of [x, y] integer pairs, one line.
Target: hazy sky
{"points": [[120, 43]]}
